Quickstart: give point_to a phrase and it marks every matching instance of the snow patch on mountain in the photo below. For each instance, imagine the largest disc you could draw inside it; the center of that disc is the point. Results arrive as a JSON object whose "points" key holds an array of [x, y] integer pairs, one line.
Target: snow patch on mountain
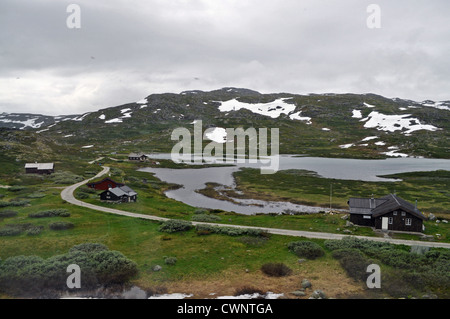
{"points": [[271, 109], [392, 123], [216, 134], [437, 105], [357, 114]]}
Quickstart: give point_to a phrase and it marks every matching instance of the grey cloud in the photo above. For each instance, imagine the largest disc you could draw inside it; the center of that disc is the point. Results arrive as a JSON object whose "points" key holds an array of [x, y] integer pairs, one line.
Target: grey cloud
{"points": [[126, 50]]}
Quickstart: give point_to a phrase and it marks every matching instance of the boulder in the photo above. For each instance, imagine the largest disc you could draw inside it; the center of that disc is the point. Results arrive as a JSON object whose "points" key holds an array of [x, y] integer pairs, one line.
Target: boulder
{"points": [[431, 217], [318, 294], [157, 268], [306, 283]]}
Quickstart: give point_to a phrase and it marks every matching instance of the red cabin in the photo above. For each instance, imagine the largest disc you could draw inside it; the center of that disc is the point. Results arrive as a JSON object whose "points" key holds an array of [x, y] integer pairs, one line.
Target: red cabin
{"points": [[105, 184]]}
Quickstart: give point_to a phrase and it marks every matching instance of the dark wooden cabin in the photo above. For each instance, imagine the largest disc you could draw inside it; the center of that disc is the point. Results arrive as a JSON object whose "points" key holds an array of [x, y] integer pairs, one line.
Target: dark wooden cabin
{"points": [[39, 168], [141, 157], [104, 184], [122, 194], [386, 213]]}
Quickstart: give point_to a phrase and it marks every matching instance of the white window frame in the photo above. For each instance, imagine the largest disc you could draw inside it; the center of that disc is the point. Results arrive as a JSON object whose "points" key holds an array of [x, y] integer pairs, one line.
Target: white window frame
{"points": [[408, 221], [391, 220], [403, 214]]}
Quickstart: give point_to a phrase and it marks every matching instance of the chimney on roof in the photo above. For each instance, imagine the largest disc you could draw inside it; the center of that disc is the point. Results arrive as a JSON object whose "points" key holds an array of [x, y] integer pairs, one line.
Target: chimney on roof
{"points": [[372, 202], [416, 203]]}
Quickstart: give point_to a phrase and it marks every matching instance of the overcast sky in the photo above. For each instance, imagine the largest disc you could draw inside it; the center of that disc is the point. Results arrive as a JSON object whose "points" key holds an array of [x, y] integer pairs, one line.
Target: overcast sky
{"points": [[126, 50]]}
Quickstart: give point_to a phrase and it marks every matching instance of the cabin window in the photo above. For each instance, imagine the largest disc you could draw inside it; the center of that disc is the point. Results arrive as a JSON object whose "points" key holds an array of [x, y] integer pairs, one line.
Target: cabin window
{"points": [[408, 222], [391, 220], [366, 216], [395, 213], [403, 214]]}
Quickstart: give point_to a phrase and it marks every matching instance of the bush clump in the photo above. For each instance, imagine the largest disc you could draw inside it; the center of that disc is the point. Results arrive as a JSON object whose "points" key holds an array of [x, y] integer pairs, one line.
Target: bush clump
{"points": [[230, 231], [205, 218], [174, 225], [50, 213], [276, 270], [10, 231], [34, 276], [14, 203], [8, 213], [306, 249], [61, 225], [88, 248], [34, 230], [15, 229], [170, 260], [65, 177], [353, 262], [16, 188]]}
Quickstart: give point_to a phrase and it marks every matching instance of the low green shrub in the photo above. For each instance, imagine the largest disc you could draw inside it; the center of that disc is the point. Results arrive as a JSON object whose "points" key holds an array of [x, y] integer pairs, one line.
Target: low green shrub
{"points": [[175, 225], [50, 213], [65, 177], [88, 248], [61, 225], [8, 213], [170, 260], [276, 270], [16, 188], [353, 262], [15, 229], [36, 195], [14, 203], [34, 276], [10, 231], [34, 230], [230, 231], [306, 249], [201, 211]]}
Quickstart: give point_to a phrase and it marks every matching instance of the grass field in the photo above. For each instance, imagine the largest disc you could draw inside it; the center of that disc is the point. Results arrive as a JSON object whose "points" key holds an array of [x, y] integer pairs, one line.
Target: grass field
{"points": [[205, 264]]}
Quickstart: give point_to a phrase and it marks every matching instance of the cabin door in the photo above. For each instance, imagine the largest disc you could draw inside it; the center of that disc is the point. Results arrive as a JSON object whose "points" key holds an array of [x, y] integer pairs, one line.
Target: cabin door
{"points": [[384, 223]]}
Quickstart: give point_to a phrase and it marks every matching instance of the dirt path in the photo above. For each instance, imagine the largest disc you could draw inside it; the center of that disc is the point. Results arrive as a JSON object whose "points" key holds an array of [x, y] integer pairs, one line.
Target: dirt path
{"points": [[67, 195]]}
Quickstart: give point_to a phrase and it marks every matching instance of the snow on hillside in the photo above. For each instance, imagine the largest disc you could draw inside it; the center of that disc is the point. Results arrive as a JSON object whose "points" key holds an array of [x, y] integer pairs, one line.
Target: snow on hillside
{"points": [[392, 123], [30, 122], [216, 134], [272, 109], [357, 114], [437, 105], [368, 105]]}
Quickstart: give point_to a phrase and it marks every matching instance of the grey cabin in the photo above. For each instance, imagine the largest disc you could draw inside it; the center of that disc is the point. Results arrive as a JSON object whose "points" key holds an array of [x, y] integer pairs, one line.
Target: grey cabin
{"points": [[122, 194]]}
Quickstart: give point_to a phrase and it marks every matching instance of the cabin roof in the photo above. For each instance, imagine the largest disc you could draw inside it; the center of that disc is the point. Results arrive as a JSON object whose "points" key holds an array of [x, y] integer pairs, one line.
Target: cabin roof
{"points": [[136, 155], [104, 180], [122, 191], [40, 166]]}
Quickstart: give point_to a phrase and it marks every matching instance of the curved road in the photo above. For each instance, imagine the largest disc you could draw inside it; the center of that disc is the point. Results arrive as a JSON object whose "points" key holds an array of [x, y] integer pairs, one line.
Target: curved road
{"points": [[67, 195]]}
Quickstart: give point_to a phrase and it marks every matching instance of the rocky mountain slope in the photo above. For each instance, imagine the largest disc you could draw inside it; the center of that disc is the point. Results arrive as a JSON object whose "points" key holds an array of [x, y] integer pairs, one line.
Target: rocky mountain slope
{"points": [[333, 125]]}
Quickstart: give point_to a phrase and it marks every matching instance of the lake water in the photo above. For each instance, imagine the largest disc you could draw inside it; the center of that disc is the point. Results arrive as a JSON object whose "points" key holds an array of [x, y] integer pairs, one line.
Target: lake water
{"points": [[350, 169]]}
